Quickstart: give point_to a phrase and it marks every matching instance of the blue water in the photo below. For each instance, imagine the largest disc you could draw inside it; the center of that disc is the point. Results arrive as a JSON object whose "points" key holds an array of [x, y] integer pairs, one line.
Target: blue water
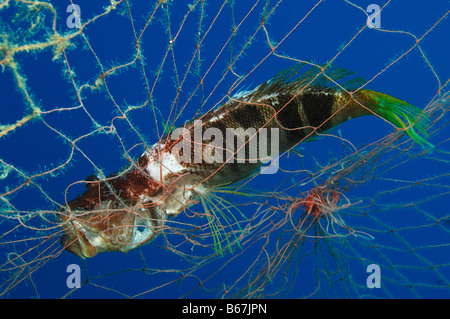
{"points": [[324, 32]]}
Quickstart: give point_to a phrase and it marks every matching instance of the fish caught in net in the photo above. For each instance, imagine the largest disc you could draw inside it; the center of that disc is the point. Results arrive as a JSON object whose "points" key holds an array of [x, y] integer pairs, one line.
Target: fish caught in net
{"points": [[229, 149]]}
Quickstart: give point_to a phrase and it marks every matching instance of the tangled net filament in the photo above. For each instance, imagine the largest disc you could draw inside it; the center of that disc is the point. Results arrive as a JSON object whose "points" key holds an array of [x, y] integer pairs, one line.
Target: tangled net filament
{"points": [[320, 212]]}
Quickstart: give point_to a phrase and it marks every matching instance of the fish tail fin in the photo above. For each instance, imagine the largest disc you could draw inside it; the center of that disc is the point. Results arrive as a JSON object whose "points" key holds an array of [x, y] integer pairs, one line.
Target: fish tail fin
{"points": [[400, 114]]}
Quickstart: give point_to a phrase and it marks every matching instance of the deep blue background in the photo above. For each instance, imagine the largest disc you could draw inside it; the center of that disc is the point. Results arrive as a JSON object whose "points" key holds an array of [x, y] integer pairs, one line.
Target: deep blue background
{"points": [[319, 37]]}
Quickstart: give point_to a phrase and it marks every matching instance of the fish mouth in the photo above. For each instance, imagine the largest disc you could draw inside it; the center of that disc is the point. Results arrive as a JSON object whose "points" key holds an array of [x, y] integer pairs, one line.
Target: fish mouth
{"points": [[104, 230], [75, 241]]}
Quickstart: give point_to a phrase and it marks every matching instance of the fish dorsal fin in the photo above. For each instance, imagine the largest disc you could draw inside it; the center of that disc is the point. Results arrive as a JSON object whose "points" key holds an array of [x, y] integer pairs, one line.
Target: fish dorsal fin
{"points": [[306, 76]]}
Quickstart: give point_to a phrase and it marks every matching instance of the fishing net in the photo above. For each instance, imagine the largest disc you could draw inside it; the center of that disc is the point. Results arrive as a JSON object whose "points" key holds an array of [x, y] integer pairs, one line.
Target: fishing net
{"points": [[360, 211]]}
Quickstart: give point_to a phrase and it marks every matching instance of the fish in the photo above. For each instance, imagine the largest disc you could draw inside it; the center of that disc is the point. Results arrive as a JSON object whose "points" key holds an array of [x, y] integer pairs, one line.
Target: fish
{"points": [[221, 147]]}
